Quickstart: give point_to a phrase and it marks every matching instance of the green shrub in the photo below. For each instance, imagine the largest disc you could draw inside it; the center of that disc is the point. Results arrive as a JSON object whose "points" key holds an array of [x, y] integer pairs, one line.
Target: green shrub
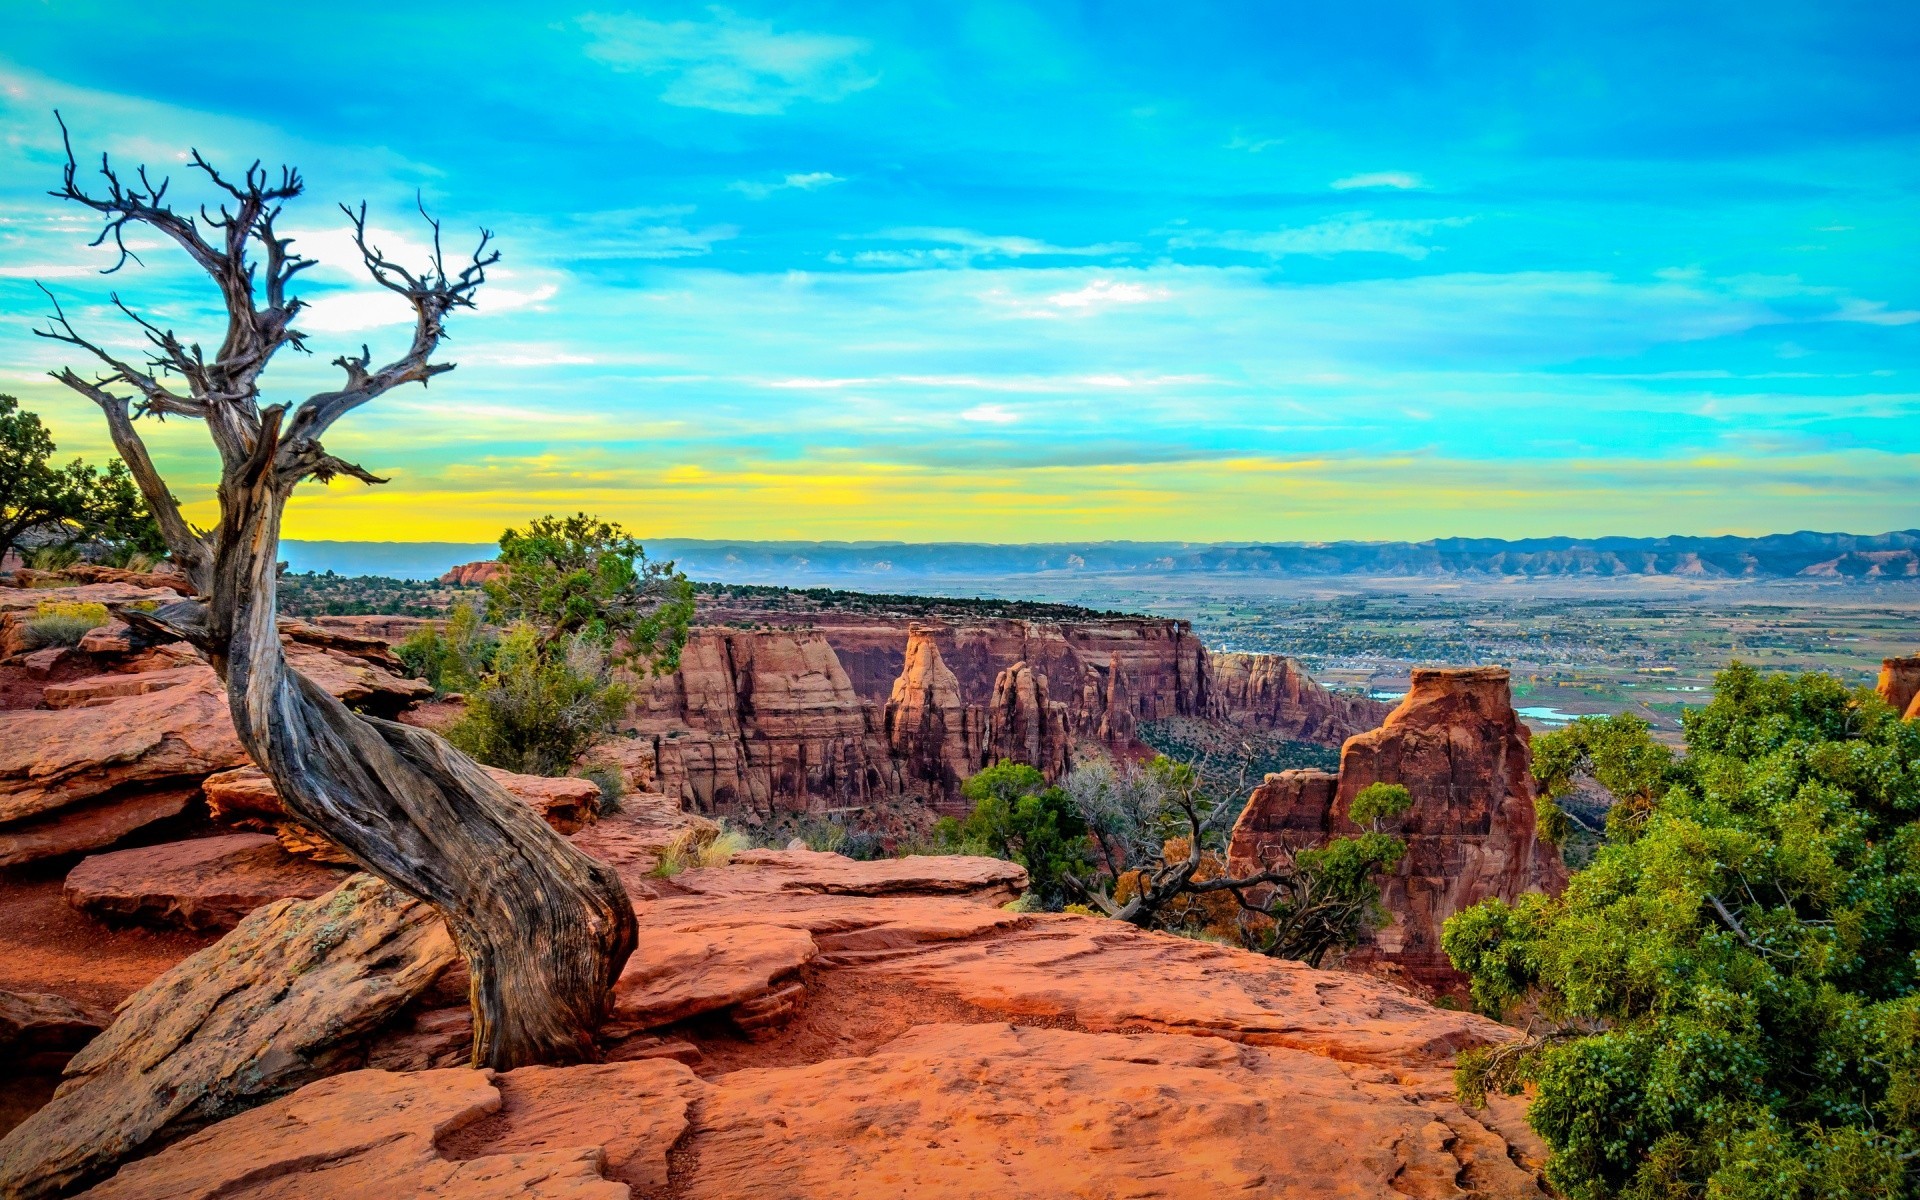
{"points": [[1379, 803], [452, 659], [541, 706], [1017, 816], [63, 623], [611, 782], [698, 846], [1732, 988]]}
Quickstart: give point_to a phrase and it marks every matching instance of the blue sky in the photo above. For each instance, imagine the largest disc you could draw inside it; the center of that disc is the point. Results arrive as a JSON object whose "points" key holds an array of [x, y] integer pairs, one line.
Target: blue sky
{"points": [[1020, 272]]}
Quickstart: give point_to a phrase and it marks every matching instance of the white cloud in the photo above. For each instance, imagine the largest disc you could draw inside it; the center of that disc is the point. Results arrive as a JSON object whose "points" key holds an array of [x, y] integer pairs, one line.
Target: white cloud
{"points": [[1347, 233], [1873, 312], [1380, 179], [363, 309], [810, 182], [1105, 293], [730, 63], [991, 414], [959, 247], [1252, 145]]}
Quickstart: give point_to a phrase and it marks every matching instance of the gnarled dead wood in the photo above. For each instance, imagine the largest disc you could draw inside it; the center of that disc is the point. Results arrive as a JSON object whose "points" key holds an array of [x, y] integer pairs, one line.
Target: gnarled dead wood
{"points": [[545, 929]]}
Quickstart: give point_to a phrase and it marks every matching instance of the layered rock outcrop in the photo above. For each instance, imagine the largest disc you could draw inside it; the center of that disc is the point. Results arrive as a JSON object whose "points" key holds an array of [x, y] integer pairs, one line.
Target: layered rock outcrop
{"points": [[128, 746], [1023, 723], [936, 738], [898, 1043], [283, 999], [1270, 691], [1900, 685], [850, 709], [473, 574], [1456, 744]]}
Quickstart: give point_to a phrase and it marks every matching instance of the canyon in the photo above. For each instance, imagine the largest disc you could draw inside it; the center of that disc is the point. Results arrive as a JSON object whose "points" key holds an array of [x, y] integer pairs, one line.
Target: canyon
{"points": [[230, 1008], [782, 713]]}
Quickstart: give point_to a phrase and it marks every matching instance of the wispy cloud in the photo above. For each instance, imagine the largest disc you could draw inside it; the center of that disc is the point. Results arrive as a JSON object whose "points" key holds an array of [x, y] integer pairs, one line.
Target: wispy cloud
{"points": [[1380, 179], [1349, 233], [959, 247], [811, 181], [992, 414], [730, 63]]}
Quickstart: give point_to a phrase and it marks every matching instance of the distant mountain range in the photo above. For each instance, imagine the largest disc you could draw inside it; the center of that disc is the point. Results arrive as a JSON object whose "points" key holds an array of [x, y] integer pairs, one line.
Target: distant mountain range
{"points": [[1872, 557]]}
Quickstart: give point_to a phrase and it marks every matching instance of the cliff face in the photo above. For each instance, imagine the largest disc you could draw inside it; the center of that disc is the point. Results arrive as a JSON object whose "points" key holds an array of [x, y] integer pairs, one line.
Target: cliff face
{"points": [[1457, 745], [1900, 685], [761, 723], [853, 709], [1269, 691]]}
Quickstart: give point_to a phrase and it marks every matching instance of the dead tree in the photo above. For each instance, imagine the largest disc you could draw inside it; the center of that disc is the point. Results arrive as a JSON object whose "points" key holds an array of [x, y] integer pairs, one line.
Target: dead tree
{"points": [[545, 930]]}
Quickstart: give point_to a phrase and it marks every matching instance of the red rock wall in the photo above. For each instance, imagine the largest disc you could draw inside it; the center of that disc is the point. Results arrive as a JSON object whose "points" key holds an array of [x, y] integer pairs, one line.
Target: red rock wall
{"points": [[836, 710], [1269, 691]]}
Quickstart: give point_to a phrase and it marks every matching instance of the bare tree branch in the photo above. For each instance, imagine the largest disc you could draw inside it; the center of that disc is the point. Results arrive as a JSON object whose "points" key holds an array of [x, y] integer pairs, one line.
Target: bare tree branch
{"points": [[432, 293]]}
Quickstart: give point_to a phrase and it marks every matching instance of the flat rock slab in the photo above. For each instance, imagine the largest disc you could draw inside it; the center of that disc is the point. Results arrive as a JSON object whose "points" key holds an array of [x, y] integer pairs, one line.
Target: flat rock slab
{"points": [[105, 689], [91, 825], [676, 974], [1000, 1110], [207, 883], [52, 759], [289, 996], [1105, 975], [368, 1135], [34, 1022], [943, 1113], [811, 871]]}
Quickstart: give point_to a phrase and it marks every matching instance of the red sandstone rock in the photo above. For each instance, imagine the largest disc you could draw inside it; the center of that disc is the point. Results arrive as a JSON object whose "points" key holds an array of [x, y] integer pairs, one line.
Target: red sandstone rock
{"points": [[945, 1112], [105, 689], [90, 824], [18, 605], [283, 999], [951, 1111], [207, 883], [53, 759], [760, 723], [679, 973], [988, 880], [1900, 685], [473, 574], [372, 1135], [1457, 745], [1269, 691], [936, 737], [165, 577], [1024, 725], [855, 709], [34, 1025], [1289, 811]]}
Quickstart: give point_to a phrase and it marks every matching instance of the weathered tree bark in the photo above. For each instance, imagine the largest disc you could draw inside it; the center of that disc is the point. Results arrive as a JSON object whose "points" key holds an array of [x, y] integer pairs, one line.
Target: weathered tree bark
{"points": [[545, 930]]}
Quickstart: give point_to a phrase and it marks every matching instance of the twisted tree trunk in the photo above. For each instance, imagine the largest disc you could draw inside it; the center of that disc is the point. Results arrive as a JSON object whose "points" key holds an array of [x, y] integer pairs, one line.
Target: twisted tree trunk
{"points": [[545, 930]]}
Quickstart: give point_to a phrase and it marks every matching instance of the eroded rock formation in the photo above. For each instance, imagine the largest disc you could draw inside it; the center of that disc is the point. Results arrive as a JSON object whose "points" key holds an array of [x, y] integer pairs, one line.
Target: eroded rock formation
{"points": [[1459, 748], [901, 1042], [852, 709], [1900, 685], [1269, 691], [473, 574], [1023, 723], [936, 738]]}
